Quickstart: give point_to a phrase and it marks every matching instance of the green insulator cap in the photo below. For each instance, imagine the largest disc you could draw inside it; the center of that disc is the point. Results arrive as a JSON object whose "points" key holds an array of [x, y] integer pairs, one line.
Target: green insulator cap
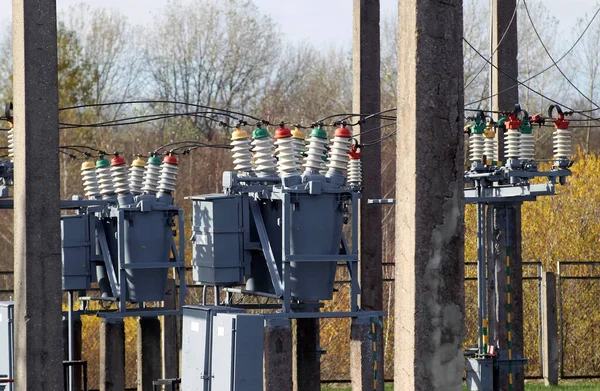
{"points": [[478, 128], [526, 126], [318, 132], [260, 133], [325, 157], [102, 163], [501, 121], [155, 160]]}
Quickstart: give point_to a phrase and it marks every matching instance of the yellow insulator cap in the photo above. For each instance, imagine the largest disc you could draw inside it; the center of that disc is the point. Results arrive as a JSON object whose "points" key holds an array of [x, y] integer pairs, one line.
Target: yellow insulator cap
{"points": [[239, 134], [139, 162], [87, 165], [297, 133], [489, 134]]}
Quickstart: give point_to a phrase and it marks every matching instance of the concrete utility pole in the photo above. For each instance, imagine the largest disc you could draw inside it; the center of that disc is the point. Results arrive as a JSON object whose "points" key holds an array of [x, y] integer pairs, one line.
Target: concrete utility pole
{"points": [[365, 100], [429, 287], [504, 29], [37, 252]]}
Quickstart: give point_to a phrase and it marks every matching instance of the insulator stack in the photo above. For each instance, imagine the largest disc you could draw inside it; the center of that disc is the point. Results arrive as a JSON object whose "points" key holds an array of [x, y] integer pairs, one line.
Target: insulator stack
{"points": [[242, 151], [136, 176], [264, 162], [168, 174], [299, 145], [354, 167], [286, 152], [512, 143], [90, 181], [562, 135], [338, 159], [151, 176], [105, 181], [11, 143], [526, 141], [490, 144], [120, 175], [476, 142], [316, 149]]}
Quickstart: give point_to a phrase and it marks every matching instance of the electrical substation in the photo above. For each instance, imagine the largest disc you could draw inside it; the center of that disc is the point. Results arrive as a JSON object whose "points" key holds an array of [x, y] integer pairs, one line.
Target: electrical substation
{"points": [[298, 205]]}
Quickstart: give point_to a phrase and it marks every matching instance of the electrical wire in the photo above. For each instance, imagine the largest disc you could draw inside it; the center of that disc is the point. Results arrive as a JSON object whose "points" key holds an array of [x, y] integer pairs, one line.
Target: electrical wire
{"points": [[512, 18], [546, 69], [552, 59], [378, 141]]}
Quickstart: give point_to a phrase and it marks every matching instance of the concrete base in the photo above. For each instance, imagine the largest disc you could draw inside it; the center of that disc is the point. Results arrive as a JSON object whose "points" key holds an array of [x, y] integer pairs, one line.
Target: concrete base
{"points": [[112, 355], [77, 370], [362, 363], [149, 357], [278, 355], [307, 365]]}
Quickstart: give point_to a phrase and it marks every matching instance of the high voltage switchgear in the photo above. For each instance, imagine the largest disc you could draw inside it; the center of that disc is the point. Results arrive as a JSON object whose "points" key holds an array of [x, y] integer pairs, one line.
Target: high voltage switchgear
{"points": [[502, 185]]}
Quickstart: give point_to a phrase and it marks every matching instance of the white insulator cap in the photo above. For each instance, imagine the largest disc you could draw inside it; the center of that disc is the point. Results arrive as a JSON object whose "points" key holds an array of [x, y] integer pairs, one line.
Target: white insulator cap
{"points": [[264, 162], [168, 174]]}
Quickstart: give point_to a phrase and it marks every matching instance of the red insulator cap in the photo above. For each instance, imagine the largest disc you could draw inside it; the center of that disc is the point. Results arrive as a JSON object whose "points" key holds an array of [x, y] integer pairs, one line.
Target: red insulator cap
{"points": [[283, 132], [561, 122], [343, 131], [354, 154], [513, 122], [171, 159], [117, 161]]}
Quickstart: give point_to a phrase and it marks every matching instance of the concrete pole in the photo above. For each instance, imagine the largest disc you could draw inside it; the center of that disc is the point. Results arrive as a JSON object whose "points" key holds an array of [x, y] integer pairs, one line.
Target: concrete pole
{"points": [[170, 334], [307, 368], [429, 285], [149, 357], [366, 99], [37, 265], [505, 59], [549, 329], [112, 355], [278, 357]]}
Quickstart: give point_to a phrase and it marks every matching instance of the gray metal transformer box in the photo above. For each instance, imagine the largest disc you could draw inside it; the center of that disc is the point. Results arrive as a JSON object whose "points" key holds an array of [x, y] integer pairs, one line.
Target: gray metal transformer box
{"points": [[480, 374], [218, 229], [196, 346], [7, 332], [237, 352], [78, 243]]}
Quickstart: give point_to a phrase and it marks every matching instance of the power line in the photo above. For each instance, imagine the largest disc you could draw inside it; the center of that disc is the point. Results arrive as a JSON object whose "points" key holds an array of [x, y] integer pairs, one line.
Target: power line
{"points": [[550, 56], [546, 69]]}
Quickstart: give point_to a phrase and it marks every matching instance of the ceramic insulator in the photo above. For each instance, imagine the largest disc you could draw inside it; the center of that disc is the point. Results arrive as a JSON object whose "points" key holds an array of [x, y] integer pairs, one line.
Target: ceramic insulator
{"points": [[151, 178], [314, 156], [120, 177], [526, 147], [105, 181], [338, 157], [242, 155], [287, 163], [264, 162], [512, 143], [562, 144], [136, 179], [168, 177], [11, 144], [354, 172], [476, 146], [90, 182], [299, 147], [489, 148]]}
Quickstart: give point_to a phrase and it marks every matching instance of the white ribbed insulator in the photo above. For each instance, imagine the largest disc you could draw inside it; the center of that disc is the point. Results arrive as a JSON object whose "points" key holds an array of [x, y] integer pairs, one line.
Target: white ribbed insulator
{"points": [[242, 155], [120, 177], [338, 156], [105, 181], [264, 162], [287, 163], [151, 178], [476, 143], [11, 144], [489, 148], [136, 179], [354, 172], [90, 182], [299, 148], [314, 156], [526, 147], [168, 178], [512, 143], [562, 144]]}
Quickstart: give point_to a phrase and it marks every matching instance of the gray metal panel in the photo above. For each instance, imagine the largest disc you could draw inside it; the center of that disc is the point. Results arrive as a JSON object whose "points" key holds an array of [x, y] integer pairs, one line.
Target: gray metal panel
{"points": [[238, 345], [76, 252], [7, 352], [196, 346], [480, 374], [218, 240]]}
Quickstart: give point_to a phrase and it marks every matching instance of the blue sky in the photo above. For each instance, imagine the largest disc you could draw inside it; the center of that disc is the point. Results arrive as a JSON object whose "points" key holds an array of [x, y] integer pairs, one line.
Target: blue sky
{"points": [[322, 22]]}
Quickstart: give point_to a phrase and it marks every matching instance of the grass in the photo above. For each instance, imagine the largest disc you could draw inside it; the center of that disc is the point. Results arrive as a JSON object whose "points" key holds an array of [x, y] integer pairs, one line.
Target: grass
{"points": [[568, 386]]}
